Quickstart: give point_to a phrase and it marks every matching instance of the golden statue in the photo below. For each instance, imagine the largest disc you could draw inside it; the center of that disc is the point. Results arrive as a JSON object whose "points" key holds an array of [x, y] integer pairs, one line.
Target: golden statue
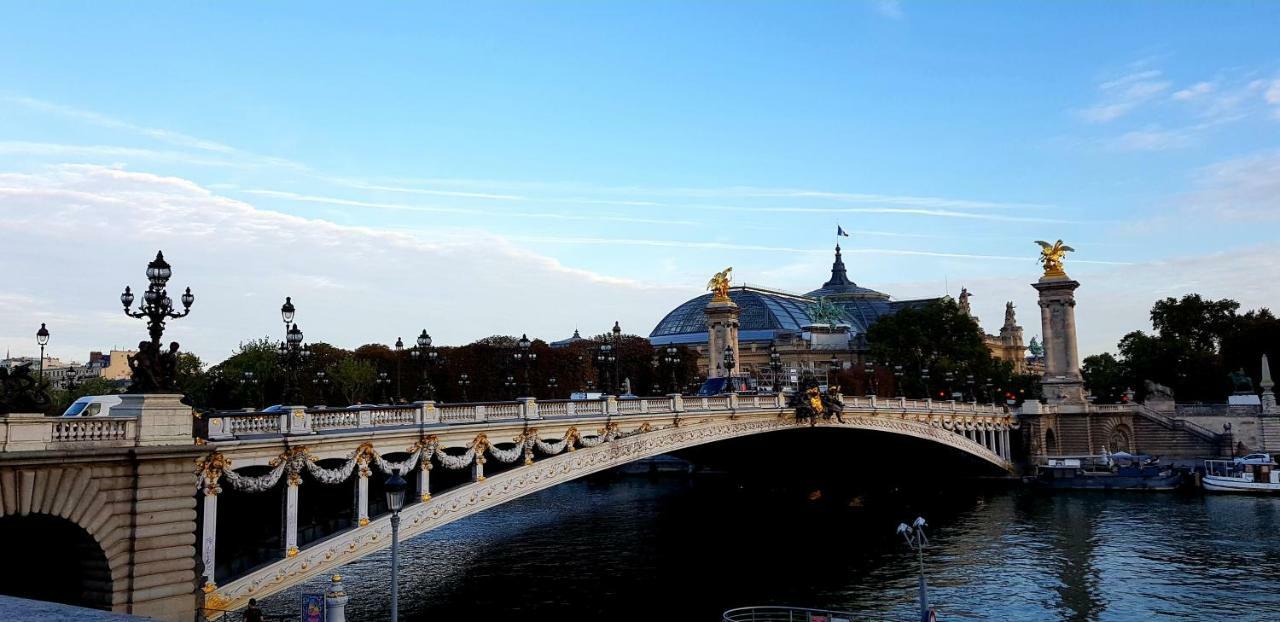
{"points": [[1051, 255], [719, 286]]}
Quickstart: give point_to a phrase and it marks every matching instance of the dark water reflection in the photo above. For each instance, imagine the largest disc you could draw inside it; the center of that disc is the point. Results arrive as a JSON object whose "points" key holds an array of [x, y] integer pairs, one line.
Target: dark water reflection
{"points": [[672, 548]]}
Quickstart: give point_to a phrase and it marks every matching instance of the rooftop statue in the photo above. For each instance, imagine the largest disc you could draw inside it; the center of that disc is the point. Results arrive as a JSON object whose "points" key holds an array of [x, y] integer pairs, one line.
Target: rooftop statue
{"points": [[1051, 255], [964, 301], [719, 285], [1241, 383], [1009, 318], [823, 312]]}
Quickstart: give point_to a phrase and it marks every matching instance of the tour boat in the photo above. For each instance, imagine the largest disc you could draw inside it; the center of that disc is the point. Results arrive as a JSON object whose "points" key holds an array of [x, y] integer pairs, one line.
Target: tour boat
{"points": [[1255, 473], [1118, 471]]}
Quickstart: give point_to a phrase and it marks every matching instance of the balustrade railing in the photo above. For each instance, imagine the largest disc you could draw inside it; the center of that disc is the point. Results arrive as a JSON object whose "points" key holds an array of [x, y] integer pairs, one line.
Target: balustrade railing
{"points": [[92, 429]]}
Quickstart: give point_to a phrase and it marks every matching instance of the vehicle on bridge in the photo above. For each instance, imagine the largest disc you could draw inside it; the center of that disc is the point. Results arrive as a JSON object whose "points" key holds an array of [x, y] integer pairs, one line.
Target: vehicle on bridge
{"points": [[742, 385], [92, 406]]}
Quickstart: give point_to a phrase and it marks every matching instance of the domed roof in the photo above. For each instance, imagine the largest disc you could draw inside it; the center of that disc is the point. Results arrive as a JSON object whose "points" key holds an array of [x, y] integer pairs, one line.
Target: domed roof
{"points": [[839, 285], [764, 314]]}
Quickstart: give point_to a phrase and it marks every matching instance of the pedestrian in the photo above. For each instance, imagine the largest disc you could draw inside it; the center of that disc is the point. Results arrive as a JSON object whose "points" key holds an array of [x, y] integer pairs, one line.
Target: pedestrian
{"points": [[252, 613]]}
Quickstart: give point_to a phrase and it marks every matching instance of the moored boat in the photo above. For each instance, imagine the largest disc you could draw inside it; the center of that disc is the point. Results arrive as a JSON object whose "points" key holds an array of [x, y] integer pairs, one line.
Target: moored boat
{"points": [[1255, 473], [1118, 471]]}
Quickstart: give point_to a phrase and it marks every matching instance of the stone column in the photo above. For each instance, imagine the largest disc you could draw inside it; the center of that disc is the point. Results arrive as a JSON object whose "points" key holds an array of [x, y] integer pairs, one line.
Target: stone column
{"points": [[722, 330], [1268, 396], [291, 516], [209, 534], [362, 493], [424, 479], [1061, 381]]}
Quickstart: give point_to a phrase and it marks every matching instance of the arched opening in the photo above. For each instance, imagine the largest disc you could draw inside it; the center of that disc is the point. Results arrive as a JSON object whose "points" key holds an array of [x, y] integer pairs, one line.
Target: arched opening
{"points": [[1050, 443], [250, 526], [1121, 438], [53, 559]]}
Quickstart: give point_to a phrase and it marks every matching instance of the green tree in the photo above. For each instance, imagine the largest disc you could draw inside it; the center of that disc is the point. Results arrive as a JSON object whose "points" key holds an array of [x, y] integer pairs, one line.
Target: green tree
{"points": [[939, 338], [1105, 377], [353, 378]]}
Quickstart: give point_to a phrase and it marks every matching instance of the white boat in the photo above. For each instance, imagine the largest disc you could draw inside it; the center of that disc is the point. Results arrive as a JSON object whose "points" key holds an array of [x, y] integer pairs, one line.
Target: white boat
{"points": [[1255, 473]]}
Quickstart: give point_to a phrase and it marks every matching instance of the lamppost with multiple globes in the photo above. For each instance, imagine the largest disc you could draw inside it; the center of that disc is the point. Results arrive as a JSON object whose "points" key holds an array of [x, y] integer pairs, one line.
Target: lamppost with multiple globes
{"points": [[248, 384], [42, 339], [153, 370], [973, 397], [897, 381], [429, 356], [617, 355], [322, 382], [605, 359], [924, 381], [551, 386], [525, 355], [509, 386], [914, 535], [869, 373], [399, 351], [775, 365], [464, 381], [382, 381], [672, 359], [729, 363], [395, 487], [291, 352]]}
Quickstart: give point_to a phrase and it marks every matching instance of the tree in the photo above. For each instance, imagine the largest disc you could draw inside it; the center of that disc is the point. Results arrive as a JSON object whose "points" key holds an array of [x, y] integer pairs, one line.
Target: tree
{"points": [[1105, 377], [939, 338], [353, 378]]}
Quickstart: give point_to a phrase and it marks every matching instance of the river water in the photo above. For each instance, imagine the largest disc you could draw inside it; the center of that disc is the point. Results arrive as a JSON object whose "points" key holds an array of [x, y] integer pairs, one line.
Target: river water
{"points": [[674, 547]]}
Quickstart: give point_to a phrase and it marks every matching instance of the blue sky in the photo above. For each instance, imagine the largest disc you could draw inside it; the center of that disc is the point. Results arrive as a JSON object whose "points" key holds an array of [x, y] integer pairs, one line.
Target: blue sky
{"points": [[604, 158]]}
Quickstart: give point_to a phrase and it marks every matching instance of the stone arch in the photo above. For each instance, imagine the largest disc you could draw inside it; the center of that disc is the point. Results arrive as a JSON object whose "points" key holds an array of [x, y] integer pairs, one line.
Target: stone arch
{"points": [[1120, 438], [1050, 442], [63, 508]]}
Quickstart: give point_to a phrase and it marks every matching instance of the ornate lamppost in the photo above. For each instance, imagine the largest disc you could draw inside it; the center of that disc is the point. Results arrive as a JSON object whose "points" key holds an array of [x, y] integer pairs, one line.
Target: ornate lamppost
{"points": [[973, 397], [869, 374], [399, 351], [155, 371], [835, 367], [509, 386], [897, 380], [914, 535], [672, 359], [42, 339], [72, 376], [382, 381], [551, 386], [775, 365], [729, 363], [605, 359], [394, 488], [424, 351], [248, 382], [464, 381], [322, 382], [951, 379], [924, 381], [617, 353], [291, 352], [525, 355]]}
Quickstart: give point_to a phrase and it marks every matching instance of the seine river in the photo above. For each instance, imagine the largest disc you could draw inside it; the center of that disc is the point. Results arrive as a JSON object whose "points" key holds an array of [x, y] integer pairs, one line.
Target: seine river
{"points": [[674, 547]]}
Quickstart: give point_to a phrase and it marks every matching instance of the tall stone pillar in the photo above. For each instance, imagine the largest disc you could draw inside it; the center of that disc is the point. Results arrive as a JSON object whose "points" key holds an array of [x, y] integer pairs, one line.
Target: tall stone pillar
{"points": [[1062, 382], [1267, 384], [722, 330]]}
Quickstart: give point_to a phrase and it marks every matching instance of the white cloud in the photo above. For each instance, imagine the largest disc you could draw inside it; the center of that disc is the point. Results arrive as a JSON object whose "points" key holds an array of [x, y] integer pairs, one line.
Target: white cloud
{"points": [[1194, 91], [1152, 140], [1244, 189], [1124, 94], [889, 8], [90, 231]]}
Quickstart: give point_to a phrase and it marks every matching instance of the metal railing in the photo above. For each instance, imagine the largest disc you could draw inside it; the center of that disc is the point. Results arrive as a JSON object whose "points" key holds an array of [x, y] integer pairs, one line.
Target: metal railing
{"points": [[786, 614]]}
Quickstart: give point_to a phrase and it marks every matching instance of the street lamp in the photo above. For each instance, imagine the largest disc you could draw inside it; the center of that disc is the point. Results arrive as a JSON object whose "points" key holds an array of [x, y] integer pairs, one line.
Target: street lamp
{"points": [[672, 359], [604, 359], [510, 385], [729, 364], [464, 381], [869, 373], [551, 386], [425, 390], [322, 384], [617, 353], [395, 487], [775, 364], [525, 355], [951, 379], [914, 535], [399, 350], [42, 338], [973, 397], [383, 380], [924, 380], [155, 371], [247, 382], [897, 380], [287, 311]]}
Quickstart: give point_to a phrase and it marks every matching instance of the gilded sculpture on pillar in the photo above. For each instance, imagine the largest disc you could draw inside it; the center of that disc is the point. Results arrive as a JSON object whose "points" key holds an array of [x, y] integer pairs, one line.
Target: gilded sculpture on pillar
{"points": [[719, 285], [1052, 255]]}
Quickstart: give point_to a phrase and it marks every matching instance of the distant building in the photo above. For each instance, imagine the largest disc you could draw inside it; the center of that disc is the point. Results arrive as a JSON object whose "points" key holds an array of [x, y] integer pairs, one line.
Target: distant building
{"points": [[115, 365], [564, 343], [1006, 346]]}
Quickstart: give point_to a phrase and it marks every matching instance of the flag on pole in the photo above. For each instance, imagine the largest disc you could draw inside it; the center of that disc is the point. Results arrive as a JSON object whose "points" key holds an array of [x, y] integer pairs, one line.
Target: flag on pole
{"points": [[840, 231]]}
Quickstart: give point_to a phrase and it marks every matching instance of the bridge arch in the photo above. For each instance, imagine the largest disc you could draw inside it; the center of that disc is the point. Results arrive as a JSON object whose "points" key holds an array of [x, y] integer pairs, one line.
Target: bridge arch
{"points": [[611, 447], [72, 548]]}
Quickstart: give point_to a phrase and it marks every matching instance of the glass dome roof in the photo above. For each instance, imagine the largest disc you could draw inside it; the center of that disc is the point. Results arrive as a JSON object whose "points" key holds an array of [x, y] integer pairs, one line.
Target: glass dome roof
{"points": [[764, 313]]}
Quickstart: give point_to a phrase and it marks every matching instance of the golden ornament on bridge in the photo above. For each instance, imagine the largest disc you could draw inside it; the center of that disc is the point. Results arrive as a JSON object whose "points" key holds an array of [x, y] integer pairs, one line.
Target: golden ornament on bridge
{"points": [[719, 285], [1051, 255]]}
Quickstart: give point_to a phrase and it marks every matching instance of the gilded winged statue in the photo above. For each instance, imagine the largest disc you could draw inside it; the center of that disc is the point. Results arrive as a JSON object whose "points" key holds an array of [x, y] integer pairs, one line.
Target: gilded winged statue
{"points": [[719, 285], [1051, 255]]}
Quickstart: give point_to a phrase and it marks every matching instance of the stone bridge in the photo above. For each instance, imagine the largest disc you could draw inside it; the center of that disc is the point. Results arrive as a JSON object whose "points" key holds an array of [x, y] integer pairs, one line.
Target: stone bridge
{"points": [[297, 489]]}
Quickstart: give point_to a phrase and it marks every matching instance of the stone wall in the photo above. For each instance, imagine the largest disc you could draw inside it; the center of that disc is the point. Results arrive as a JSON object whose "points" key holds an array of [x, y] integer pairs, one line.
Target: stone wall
{"points": [[138, 505]]}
